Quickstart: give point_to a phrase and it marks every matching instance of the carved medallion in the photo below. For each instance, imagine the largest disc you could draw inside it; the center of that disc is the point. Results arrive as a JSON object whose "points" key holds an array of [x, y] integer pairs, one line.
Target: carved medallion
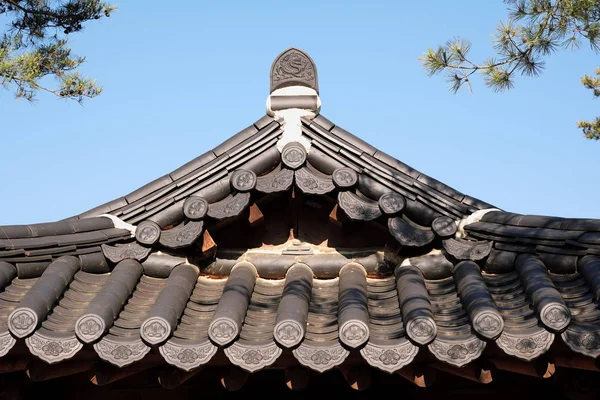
{"points": [[22, 322], [408, 235], [6, 343], [526, 345], [147, 232], [358, 209], [129, 251], [354, 333], [53, 350], [293, 67], [223, 331], [392, 203], [457, 353], [444, 227], [187, 356], [293, 155], [275, 181], [288, 333], [243, 180], [183, 235], [311, 183], [89, 328], [488, 324], [467, 250], [556, 316], [390, 358], [229, 206], [155, 330], [421, 329], [587, 343], [320, 358], [252, 358], [121, 353], [344, 178], [195, 207]]}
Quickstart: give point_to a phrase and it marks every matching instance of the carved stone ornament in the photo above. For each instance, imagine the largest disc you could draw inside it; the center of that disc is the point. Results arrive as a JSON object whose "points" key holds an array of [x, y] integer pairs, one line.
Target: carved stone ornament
{"points": [[311, 183], [390, 358], [53, 350], [223, 331], [187, 356], [89, 327], [358, 209], [392, 203], [6, 343], [354, 333], [320, 358], [422, 330], [344, 178], [467, 250], [147, 232], [155, 330], [526, 345], [587, 343], [121, 353], [276, 181], [131, 250], [230, 206], [22, 322], [288, 333], [488, 324], [183, 235], [408, 235], [251, 357], [457, 353], [556, 316], [243, 180], [293, 155], [195, 208], [293, 67]]}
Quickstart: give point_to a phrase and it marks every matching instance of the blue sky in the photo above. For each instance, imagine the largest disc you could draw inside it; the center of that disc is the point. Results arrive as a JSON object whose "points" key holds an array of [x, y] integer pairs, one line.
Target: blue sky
{"points": [[178, 80]]}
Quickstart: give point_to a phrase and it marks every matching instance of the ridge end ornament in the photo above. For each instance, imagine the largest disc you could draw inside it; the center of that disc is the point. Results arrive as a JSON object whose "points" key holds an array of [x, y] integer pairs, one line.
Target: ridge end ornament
{"points": [[293, 67]]}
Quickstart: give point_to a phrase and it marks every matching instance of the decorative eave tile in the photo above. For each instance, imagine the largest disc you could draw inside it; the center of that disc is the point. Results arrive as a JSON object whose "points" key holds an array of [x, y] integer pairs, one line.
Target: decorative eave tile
{"points": [[121, 352], [320, 357], [253, 357], [7, 341], [389, 356], [457, 352], [584, 342], [53, 347], [526, 345], [187, 355]]}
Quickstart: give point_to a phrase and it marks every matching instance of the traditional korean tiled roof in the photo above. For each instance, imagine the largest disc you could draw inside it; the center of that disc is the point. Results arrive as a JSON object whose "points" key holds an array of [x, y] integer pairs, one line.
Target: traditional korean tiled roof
{"points": [[133, 276]]}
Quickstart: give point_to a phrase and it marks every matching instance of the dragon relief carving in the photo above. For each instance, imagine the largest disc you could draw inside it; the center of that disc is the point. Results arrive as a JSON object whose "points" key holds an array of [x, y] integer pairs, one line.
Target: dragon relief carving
{"points": [[187, 357], [457, 353], [526, 347], [320, 358], [295, 67], [389, 358], [253, 358]]}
